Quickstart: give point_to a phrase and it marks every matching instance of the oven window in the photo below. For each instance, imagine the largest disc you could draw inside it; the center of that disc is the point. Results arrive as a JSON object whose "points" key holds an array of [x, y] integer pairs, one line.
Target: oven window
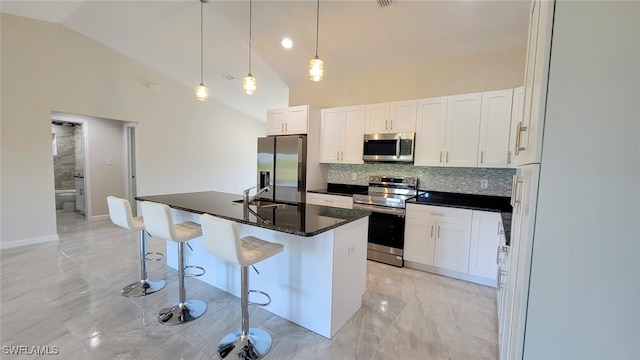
{"points": [[387, 230]]}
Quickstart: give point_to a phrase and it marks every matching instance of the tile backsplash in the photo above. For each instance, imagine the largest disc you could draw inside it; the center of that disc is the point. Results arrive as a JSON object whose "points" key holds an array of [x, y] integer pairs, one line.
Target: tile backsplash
{"points": [[460, 180]]}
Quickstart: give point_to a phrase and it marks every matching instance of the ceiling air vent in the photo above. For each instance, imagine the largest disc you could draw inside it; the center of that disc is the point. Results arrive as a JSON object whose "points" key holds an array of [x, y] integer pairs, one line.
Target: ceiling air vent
{"points": [[383, 3]]}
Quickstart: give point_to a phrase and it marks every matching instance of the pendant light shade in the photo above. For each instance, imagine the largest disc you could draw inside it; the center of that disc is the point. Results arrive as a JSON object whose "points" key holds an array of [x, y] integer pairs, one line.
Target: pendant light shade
{"points": [[316, 69], [249, 82], [202, 93], [316, 66]]}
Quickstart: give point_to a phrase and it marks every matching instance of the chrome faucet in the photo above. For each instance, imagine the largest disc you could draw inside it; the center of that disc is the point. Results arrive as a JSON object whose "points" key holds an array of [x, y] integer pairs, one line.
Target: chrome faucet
{"points": [[247, 200], [245, 194]]}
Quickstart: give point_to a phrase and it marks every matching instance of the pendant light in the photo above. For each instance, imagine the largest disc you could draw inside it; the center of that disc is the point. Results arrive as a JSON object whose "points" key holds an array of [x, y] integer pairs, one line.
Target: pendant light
{"points": [[316, 66], [202, 93], [249, 82]]}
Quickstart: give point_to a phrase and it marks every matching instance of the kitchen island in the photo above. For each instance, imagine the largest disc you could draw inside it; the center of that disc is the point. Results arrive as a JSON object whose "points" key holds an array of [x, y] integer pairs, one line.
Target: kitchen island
{"points": [[317, 281]]}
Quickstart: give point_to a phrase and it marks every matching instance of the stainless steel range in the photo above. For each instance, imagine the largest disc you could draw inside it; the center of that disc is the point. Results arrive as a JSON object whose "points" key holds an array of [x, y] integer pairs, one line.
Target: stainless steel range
{"points": [[386, 200]]}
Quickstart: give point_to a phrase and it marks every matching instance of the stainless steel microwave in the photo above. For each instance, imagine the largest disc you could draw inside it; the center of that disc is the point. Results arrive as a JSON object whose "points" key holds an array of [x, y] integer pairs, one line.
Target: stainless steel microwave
{"points": [[397, 147]]}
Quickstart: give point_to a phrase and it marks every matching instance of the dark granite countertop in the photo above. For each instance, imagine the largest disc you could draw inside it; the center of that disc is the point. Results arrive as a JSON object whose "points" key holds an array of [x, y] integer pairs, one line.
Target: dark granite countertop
{"points": [[501, 204], [293, 218], [342, 189]]}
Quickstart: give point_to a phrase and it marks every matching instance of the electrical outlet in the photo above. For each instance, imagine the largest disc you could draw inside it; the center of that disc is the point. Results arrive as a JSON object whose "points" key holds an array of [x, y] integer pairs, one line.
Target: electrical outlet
{"points": [[484, 183], [354, 176]]}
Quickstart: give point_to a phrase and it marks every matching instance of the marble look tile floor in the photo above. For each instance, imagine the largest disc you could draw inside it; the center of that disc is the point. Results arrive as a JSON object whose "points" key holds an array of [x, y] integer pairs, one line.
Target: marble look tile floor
{"points": [[65, 295]]}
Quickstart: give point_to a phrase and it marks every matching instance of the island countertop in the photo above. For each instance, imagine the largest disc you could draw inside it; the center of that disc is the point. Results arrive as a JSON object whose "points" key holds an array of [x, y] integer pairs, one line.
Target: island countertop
{"points": [[294, 218]]}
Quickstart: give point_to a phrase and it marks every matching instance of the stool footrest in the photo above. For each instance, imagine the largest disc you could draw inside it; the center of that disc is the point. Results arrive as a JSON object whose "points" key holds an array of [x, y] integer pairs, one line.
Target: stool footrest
{"points": [[202, 271], [261, 293], [150, 256]]}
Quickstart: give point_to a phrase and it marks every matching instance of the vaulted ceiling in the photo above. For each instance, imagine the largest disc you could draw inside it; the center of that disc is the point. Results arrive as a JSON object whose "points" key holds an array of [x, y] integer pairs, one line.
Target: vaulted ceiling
{"points": [[355, 37]]}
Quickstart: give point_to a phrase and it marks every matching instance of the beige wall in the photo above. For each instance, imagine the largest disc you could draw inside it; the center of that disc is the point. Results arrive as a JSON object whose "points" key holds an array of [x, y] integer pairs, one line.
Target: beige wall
{"points": [[491, 71], [182, 144]]}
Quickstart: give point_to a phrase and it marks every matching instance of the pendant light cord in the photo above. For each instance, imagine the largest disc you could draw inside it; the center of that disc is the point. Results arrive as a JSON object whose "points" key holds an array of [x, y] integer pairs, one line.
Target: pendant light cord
{"points": [[317, 25], [201, 46], [250, 17]]}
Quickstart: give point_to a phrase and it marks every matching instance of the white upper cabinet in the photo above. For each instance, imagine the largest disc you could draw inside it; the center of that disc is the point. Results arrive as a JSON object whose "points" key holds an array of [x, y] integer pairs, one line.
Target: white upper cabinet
{"points": [[462, 131], [495, 121], [430, 131], [392, 117], [527, 147], [517, 111], [330, 135], [341, 131], [288, 121]]}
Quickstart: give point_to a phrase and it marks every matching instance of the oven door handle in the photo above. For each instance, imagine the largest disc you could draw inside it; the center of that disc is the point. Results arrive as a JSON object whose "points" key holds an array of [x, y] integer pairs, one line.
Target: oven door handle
{"points": [[380, 209]]}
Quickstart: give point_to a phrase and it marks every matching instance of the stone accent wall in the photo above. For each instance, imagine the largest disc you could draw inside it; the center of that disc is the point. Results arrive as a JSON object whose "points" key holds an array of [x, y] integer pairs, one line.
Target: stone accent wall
{"points": [[460, 180], [64, 163]]}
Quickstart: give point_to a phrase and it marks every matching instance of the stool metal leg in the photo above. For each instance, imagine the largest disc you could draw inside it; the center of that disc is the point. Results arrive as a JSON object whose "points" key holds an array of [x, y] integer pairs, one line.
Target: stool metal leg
{"points": [[144, 286], [246, 343], [185, 310]]}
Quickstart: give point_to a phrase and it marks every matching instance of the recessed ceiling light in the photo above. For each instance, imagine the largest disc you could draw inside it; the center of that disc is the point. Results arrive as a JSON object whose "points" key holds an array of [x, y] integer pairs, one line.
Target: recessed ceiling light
{"points": [[287, 43]]}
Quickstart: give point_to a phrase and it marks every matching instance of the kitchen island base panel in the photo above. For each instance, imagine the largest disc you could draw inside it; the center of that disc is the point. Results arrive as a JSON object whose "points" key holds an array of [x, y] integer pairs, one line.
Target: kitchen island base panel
{"points": [[317, 282]]}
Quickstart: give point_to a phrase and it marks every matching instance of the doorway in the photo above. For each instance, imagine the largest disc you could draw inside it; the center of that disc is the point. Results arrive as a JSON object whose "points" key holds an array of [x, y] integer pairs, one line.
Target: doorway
{"points": [[67, 146]]}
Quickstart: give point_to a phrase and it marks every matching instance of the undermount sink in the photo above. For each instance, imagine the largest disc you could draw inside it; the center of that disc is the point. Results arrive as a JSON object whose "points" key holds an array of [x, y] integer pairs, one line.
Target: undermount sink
{"points": [[263, 204]]}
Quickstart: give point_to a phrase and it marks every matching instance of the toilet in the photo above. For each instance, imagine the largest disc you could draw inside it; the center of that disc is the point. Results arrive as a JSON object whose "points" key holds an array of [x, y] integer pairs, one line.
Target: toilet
{"points": [[66, 200]]}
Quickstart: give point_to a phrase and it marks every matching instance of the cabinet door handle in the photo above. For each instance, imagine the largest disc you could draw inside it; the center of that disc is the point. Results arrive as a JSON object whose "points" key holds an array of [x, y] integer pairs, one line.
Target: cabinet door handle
{"points": [[498, 251], [438, 236], [516, 201], [431, 230], [481, 156], [513, 189], [519, 130], [446, 157], [385, 124], [282, 128], [499, 226], [341, 155], [285, 127], [440, 161], [337, 155], [391, 124], [508, 157]]}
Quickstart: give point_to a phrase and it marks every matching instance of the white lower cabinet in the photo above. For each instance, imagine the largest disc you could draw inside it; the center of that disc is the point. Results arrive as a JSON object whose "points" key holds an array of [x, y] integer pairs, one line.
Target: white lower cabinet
{"points": [[438, 236], [485, 238], [80, 195], [455, 242], [419, 240]]}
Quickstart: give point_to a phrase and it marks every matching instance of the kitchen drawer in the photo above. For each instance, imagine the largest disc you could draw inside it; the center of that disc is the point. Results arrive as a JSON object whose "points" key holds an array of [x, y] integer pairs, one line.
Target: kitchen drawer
{"points": [[345, 202], [442, 213]]}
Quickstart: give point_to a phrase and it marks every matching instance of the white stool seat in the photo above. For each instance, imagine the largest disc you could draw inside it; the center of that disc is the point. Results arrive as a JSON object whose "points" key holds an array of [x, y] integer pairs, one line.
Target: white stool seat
{"points": [[221, 238], [120, 214], [255, 250], [159, 222]]}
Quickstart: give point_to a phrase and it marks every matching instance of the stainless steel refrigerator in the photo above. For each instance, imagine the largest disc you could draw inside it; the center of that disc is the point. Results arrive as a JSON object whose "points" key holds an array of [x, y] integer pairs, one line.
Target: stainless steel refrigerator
{"points": [[282, 165]]}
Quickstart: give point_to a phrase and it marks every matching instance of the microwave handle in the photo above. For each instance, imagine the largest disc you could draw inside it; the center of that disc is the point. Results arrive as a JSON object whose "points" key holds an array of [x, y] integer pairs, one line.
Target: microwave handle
{"points": [[398, 147]]}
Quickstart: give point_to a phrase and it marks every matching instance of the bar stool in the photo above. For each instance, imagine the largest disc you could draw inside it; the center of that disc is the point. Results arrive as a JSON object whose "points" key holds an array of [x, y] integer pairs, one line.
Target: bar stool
{"points": [[159, 223], [221, 238], [120, 214]]}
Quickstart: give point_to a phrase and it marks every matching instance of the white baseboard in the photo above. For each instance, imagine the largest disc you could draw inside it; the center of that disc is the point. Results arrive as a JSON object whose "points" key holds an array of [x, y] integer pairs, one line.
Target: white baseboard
{"points": [[450, 273], [99, 217], [31, 241]]}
